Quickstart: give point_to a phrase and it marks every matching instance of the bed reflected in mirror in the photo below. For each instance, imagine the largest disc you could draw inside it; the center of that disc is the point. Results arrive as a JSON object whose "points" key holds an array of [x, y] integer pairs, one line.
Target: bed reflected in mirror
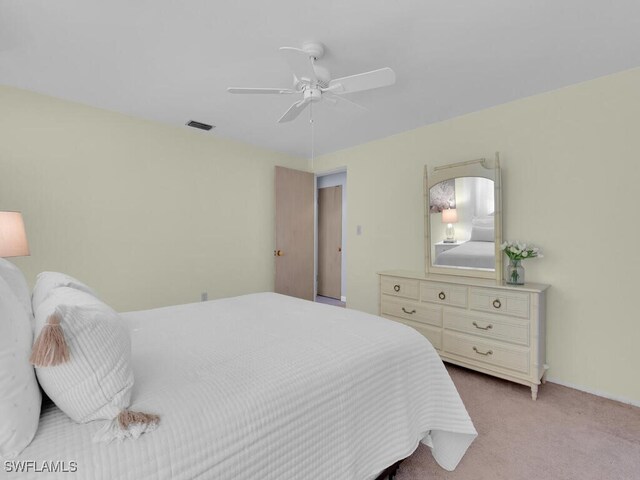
{"points": [[462, 223]]}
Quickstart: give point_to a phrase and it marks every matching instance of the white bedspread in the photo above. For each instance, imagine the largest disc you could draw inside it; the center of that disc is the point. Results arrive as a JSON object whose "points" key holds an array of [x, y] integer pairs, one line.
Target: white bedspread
{"points": [[265, 386], [469, 254]]}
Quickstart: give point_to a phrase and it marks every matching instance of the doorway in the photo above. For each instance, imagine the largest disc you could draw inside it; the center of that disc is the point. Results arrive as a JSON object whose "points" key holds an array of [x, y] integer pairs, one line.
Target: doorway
{"points": [[331, 197]]}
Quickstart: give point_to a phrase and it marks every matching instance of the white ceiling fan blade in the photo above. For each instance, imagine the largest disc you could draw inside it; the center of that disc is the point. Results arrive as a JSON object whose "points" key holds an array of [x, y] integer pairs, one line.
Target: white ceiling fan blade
{"points": [[299, 63], [259, 90], [332, 99], [335, 99], [293, 112], [363, 81]]}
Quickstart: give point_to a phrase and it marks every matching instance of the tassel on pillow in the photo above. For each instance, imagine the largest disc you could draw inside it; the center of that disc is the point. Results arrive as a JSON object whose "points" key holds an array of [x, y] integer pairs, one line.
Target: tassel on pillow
{"points": [[50, 348], [128, 424], [127, 418]]}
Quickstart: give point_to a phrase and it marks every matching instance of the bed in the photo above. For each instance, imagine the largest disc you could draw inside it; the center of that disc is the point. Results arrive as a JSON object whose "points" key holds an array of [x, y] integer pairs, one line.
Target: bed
{"points": [[265, 386], [469, 254]]}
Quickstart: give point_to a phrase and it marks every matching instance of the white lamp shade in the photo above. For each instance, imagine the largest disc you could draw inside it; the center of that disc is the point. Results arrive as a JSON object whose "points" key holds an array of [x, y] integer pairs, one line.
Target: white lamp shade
{"points": [[13, 238], [449, 215]]}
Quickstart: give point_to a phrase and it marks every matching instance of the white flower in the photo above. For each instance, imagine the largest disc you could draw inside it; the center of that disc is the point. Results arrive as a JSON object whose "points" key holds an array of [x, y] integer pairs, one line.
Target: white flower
{"points": [[518, 251]]}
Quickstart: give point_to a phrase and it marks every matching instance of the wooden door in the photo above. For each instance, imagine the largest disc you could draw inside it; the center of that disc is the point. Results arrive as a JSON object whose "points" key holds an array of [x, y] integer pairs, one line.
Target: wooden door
{"points": [[330, 242], [294, 253]]}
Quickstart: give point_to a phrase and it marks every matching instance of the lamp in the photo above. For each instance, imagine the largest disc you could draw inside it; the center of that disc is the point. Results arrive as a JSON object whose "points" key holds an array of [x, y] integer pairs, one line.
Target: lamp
{"points": [[450, 216], [13, 238]]}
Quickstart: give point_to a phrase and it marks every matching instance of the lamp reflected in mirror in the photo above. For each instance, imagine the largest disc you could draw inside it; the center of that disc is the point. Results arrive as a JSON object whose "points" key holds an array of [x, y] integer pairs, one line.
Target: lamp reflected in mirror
{"points": [[450, 216]]}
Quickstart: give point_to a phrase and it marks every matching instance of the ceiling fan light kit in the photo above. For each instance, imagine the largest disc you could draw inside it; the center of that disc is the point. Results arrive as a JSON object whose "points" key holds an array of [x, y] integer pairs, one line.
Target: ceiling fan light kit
{"points": [[313, 82]]}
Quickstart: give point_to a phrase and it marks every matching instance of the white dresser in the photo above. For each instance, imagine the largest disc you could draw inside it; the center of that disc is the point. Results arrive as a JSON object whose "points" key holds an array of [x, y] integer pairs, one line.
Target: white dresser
{"points": [[496, 329]]}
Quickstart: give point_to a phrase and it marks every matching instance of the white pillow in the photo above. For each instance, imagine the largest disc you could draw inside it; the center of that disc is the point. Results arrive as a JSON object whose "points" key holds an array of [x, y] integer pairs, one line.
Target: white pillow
{"points": [[62, 296], [17, 283], [20, 397], [482, 234], [95, 382], [47, 281], [487, 221]]}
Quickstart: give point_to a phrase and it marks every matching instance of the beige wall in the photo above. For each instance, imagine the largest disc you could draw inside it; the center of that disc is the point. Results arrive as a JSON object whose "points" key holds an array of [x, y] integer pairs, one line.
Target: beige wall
{"points": [[147, 214], [153, 215], [571, 184]]}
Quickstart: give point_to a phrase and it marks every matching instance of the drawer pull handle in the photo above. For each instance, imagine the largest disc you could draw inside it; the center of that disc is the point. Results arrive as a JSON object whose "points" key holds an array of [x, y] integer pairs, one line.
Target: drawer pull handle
{"points": [[442, 296], [497, 303], [488, 327], [396, 288], [488, 352], [409, 312]]}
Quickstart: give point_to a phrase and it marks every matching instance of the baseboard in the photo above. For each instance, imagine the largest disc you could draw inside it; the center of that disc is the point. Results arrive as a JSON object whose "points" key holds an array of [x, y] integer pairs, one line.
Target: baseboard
{"points": [[343, 299], [592, 391]]}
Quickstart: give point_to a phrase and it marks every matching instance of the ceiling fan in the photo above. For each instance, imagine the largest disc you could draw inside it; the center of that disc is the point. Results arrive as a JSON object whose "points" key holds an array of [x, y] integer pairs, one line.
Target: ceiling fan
{"points": [[314, 82]]}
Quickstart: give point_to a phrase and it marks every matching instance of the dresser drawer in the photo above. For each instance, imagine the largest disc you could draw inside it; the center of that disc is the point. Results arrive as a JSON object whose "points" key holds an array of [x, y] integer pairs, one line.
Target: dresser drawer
{"points": [[418, 312], [499, 301], [514, 330], [487, 351], [400, 287], [433, 334], [443, 293]]}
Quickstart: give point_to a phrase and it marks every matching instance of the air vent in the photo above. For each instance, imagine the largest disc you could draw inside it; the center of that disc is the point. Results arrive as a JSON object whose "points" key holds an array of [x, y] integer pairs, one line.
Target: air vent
{"points": [[200, 125]]}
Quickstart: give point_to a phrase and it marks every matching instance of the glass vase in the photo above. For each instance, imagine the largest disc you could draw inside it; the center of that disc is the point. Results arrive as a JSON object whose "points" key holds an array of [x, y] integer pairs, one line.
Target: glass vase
{"points": [[515, 272]]}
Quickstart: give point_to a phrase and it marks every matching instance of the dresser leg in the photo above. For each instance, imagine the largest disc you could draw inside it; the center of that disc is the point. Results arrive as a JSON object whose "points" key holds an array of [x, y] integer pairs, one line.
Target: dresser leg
{"points": [[534, 392], [543, 380]]}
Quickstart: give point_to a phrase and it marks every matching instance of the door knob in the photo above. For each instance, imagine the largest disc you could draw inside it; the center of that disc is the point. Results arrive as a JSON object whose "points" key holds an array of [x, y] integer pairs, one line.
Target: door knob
{"points": [[277, 253], [340, 249]]}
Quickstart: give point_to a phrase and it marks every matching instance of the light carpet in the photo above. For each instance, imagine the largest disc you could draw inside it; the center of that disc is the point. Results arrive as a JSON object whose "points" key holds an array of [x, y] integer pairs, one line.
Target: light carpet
{"points": [[566, 434]]}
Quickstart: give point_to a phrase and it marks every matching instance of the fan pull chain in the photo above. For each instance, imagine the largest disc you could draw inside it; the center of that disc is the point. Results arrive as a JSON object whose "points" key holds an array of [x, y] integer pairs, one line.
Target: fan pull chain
{"points": [[312, 134]]}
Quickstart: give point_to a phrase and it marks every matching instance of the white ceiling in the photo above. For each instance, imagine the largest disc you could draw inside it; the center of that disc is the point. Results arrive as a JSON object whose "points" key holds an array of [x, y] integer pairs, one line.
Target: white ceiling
{"points": [[171, 61]]}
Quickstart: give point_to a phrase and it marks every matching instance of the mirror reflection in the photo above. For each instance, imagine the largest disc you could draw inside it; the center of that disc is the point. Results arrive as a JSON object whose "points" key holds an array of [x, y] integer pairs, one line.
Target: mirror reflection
{"points": [[462, 223]]}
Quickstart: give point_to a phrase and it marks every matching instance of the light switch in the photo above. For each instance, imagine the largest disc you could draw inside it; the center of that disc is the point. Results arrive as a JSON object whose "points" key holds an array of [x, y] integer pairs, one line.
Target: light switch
{"points": [[359, 230]]}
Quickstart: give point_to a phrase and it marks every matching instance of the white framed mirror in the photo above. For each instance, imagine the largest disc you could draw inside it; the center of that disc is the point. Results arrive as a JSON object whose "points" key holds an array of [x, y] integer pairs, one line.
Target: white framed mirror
{"points": [[463, 219]]}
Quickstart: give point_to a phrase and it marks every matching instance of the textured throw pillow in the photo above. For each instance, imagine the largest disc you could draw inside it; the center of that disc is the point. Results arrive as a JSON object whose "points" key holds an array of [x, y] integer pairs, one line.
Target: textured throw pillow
{"points": [[48, 281], [482, 234], [17, 283], [83, 362], [20, 398]]}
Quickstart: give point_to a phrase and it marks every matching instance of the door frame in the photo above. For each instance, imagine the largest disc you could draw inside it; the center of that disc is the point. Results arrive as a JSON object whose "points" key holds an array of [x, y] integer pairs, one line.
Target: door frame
{"points": [[317, 175]]}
